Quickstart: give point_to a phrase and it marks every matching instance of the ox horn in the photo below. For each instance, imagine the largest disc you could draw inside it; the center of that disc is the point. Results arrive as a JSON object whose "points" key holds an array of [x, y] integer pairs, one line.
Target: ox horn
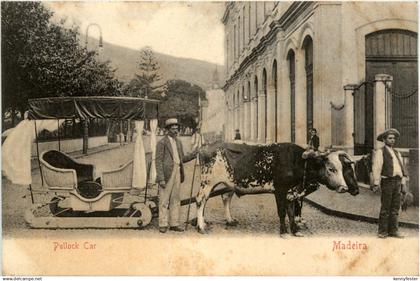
{"points": [[307, 154], [324, 154], [315, 155], [347, 157]]}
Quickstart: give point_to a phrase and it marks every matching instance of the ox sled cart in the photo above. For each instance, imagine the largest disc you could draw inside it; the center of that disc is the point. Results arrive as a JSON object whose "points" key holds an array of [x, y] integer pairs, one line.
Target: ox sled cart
{"points": [[76, 195]]}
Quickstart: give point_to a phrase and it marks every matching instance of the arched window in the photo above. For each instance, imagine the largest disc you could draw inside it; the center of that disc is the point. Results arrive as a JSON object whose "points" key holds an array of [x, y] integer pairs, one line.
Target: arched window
{"points": [[249, 91], [256, 17], [265, 9], [238, 99], [243, 27], [291, 62], [256, 104], [249, 21], [239, 37], [234, 42], [264, 85], [238, 117], [308, 47], [274, 81], [227, 54]]}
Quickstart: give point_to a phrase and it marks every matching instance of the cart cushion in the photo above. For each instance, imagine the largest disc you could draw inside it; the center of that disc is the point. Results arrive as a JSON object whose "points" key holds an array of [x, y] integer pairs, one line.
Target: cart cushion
{"points": [[60, 160], [89, 189]]}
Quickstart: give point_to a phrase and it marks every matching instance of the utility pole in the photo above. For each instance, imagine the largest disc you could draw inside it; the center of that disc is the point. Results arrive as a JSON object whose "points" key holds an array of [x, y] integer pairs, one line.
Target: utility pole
{"points": [[86, 121]]}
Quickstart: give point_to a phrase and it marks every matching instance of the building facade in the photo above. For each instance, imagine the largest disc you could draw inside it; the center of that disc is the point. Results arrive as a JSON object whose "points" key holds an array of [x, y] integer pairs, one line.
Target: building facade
{"points": [[213, 124], [348, 69]]}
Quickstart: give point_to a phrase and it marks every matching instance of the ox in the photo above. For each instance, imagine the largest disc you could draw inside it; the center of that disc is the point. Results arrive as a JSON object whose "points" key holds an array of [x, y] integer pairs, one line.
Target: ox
{"points": [[276, 168]]}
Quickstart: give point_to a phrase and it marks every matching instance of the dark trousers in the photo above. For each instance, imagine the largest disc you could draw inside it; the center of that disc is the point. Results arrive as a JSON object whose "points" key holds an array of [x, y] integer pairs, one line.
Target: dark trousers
{"points": [[390, 205]]}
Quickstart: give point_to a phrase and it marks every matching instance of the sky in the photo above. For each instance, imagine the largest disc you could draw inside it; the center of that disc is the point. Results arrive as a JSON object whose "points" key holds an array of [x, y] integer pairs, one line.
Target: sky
{"points": [[181, 29]]}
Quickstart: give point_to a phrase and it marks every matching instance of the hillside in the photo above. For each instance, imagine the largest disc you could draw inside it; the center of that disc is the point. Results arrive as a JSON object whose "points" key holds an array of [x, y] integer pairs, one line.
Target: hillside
{"points": [[191, 70]]}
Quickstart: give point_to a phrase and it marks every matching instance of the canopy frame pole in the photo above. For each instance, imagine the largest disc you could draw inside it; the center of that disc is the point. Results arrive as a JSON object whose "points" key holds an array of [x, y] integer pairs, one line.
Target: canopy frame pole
{"points": [[37, 154], [121, 132], [145, 116], [157, 113], [58, 134], [148, 169], [85, 135], [147, 181]]}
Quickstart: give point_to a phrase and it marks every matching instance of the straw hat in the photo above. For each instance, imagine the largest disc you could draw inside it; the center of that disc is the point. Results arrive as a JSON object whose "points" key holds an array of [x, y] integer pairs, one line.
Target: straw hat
{"points": [[391, 131], [170, 122]]}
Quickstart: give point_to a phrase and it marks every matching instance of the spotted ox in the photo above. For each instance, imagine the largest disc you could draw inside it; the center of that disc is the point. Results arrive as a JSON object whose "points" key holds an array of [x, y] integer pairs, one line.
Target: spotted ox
{"points": [[276, 168]]}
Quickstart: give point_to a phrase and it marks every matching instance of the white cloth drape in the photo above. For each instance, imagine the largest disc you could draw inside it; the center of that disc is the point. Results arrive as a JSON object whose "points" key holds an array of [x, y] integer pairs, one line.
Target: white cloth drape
{"points": [[16, 150], [153, 129], [139, 162], [197, 140], [16, 153]]}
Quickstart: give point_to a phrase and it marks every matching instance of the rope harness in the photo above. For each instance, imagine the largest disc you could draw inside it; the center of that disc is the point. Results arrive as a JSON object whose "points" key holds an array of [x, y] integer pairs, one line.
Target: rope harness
{"points": [[298, 192]]}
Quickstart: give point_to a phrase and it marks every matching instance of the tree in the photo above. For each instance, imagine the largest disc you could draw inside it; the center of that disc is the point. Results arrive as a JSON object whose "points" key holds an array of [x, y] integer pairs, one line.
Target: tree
{"points": [[147, 81], [15, 33], [181, 102], [41, 59], [148, 66]]}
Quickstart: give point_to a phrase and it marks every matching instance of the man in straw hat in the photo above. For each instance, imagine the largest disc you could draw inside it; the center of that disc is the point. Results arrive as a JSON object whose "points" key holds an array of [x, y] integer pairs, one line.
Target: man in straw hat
{"points": [[388, 172], [170, 174]]}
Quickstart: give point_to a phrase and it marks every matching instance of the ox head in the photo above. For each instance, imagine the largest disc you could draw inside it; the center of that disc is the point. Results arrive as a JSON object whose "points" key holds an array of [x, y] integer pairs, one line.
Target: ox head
{"points": [[336, 171]]}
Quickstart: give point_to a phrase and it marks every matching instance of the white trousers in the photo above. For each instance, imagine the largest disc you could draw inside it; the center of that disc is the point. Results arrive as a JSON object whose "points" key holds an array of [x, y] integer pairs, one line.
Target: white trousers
{"points": [[169, 200]]}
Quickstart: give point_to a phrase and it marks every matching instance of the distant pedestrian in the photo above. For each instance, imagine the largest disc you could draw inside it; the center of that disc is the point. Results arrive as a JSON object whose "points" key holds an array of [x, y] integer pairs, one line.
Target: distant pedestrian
{"points": [[170, 174], [313, 142], [237, 134], [389, 176]]}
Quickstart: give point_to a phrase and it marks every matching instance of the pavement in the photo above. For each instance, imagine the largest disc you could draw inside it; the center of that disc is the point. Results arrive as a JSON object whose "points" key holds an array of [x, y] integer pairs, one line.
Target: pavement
{"points": [[363, 207]]}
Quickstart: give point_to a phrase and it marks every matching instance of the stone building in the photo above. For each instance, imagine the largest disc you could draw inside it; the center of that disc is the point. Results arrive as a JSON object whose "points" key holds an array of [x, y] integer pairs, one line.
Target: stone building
{"points": [[213, 111], [348, 69]]}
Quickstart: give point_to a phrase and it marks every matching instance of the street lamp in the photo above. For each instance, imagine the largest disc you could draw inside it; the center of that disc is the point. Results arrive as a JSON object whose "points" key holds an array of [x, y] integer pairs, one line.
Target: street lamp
{"points": [[85, 122], [100, 34]]}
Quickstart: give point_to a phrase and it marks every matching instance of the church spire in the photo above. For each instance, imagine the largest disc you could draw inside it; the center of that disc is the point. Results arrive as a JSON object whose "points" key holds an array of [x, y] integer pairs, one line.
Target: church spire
{"points": [[215, 80]]}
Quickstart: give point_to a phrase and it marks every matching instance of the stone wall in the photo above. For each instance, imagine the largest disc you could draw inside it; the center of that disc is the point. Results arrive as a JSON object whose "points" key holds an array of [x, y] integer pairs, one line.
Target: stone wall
{"points": [[69, 145]]}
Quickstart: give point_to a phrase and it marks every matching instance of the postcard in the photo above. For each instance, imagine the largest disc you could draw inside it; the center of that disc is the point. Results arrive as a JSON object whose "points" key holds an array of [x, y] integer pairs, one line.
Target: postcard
{"points": [[254, 138]]}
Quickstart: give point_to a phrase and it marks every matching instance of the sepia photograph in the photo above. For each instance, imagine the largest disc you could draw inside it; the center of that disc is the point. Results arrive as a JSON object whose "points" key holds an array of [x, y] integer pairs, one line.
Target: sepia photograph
{"points": [[216, 138]]}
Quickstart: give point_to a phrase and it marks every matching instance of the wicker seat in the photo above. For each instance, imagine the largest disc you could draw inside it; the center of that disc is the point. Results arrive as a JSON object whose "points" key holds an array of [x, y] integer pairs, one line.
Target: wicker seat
{"points": [[121, 178], [61, 171]]}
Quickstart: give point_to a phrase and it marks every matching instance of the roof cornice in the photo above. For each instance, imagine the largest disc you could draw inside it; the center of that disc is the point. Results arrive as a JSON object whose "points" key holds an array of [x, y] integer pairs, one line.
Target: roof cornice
{"points": [[225, 17], [289, 16]]}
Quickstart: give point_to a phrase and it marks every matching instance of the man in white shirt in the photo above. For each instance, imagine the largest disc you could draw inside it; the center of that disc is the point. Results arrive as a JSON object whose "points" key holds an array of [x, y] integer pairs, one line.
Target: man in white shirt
{"points": [[389, 176], [170, 174]]}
